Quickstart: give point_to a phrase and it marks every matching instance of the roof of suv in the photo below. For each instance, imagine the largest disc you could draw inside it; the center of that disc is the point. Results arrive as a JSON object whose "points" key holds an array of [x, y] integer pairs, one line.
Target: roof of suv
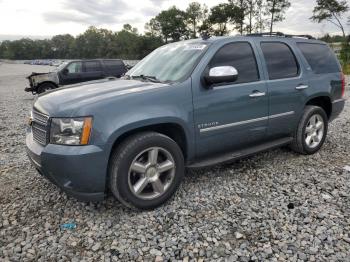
{"points": [[264, 37]]}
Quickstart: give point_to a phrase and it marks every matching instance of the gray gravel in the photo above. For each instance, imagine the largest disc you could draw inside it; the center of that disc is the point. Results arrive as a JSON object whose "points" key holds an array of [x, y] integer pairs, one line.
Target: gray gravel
{"points": [[276, 206]]}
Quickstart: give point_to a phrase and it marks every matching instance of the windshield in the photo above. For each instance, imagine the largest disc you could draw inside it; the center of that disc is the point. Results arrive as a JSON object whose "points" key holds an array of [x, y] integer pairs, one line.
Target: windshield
{"points": [[169, 63], [60, 67]]}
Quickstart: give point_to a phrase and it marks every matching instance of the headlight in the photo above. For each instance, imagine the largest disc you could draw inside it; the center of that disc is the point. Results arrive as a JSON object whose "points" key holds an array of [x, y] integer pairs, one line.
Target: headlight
{"points": [[70, 131]]}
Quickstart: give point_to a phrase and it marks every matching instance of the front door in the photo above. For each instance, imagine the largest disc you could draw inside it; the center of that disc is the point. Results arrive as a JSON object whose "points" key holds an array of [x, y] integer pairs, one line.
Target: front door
{"points": [[72, 73], [230, 116]]}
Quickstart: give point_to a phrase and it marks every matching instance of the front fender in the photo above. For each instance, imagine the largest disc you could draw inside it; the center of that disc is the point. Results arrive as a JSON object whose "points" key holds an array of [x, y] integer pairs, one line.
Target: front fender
{"points": [[149, 123]]}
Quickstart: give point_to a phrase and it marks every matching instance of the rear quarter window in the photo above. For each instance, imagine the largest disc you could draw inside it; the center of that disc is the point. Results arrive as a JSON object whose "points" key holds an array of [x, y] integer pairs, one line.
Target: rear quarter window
{"points": [[113, 63], [114, 66], [320, 58]]}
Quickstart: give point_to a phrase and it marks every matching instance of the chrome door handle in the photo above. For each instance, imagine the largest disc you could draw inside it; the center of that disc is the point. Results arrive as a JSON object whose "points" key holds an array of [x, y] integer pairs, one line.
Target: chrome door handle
{"points": [[257, 94], [301, 87]]}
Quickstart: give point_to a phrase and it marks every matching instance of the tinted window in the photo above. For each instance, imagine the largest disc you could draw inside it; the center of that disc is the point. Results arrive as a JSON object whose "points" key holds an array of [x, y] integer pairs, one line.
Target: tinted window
{"points": [[280, 60], [320, 58], [241, 57], [115, 67], [75, 67], [92, 66], [114, 63]]}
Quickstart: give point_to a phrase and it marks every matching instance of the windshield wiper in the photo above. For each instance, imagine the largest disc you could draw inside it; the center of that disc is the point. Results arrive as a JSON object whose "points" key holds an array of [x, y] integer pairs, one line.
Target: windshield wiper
{"points": [[149, 78]]}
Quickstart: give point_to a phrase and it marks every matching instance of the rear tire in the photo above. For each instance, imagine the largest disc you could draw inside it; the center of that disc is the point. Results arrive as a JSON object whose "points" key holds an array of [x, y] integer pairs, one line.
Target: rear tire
{"points": [[146, 170], [311, 132], [44, 87]]}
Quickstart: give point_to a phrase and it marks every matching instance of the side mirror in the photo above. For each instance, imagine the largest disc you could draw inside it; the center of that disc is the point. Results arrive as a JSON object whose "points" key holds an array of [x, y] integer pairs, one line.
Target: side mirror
{"points": [[65, 71], [221, 74]]}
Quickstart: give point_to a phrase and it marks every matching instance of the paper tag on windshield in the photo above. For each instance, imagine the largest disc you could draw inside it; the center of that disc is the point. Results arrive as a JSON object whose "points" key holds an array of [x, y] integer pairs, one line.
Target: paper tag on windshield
{"points": [[195, 47]]}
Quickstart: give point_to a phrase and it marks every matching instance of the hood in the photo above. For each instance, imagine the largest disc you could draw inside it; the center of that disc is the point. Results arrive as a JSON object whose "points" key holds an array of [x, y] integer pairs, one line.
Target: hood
{"points": [[37, 78], [65, 101]]}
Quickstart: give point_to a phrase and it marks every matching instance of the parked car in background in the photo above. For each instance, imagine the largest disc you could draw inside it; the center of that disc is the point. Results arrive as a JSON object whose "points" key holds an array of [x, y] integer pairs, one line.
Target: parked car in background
{"points": [[189, 104], [75, 72]]}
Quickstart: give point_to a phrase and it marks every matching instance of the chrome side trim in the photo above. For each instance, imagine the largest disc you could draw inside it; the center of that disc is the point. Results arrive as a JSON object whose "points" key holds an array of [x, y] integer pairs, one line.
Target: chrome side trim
{"points": [[282, 114], [213, 128], [338, 100], [234, 124]]}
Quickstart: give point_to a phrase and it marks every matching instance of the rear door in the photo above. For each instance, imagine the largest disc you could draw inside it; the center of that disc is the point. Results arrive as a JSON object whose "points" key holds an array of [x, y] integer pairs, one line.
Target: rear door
{"points": [[286, 83], [92, 70], [114, 68], [325, 71]]}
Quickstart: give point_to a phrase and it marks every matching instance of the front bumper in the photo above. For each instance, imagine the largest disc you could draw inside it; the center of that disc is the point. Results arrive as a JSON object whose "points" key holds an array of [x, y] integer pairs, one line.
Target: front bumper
{"points": [[80, 171], [337, 108], [29, 89]]}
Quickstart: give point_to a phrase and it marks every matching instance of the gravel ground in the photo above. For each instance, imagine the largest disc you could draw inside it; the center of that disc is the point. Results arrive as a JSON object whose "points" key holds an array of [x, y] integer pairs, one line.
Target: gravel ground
{"points": [[276, 206]]}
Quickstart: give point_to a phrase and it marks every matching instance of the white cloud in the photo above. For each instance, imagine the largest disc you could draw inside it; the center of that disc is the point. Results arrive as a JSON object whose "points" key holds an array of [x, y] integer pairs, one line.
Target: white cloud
{"points": [[44, 17]]}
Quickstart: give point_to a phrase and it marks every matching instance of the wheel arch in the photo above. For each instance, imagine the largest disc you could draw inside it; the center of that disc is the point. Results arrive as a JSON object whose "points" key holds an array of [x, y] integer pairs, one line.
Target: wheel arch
{"points": [[174, 130], [47, 82], [322, 101]]}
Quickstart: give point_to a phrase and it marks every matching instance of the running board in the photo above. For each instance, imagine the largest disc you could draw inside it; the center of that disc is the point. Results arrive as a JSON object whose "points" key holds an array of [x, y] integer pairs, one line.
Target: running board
{"points": [[229, 157]]}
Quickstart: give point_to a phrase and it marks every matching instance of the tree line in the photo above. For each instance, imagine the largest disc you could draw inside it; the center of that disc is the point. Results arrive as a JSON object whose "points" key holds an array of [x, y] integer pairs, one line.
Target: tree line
{"points": [[171, 25]]}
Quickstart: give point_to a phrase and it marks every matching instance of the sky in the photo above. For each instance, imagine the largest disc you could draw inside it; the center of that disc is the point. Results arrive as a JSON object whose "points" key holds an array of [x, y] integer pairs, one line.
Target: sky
{"points": [[45, 18]]}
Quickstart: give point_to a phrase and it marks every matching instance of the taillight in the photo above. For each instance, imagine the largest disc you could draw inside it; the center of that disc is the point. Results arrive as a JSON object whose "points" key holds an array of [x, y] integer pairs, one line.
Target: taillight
{"points": [[342, 84]]}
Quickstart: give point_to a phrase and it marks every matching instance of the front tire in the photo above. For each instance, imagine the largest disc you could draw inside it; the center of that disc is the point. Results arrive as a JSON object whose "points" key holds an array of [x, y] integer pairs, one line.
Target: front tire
{"points": [[311, 132], [146, 170], [44, 87]]}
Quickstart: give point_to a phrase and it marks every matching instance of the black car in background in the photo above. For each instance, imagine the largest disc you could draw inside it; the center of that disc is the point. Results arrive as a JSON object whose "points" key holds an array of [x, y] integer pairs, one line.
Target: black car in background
{"points": [[75, 72]]}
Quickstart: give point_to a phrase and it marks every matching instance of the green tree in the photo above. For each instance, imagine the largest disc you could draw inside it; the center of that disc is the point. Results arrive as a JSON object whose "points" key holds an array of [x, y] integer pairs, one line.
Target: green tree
{"points": [[260, 18], [147, 44], [93, 43], [240, 9], [153, 28], [128, 44], [331, 11], [129, 28], [332, 38], [195, 14], [172, 24], [62, 46], [276, 9], [251, 12], [221, 16], [345, 52]]}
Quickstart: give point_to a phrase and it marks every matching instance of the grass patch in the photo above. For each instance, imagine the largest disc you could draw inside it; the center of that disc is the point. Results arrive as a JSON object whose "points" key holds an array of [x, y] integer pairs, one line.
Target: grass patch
{"points": [[346, 69]]}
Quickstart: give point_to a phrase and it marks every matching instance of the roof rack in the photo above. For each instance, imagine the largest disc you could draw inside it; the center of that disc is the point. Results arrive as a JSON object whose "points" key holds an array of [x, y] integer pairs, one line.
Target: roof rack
{"points": [[279, 34]]}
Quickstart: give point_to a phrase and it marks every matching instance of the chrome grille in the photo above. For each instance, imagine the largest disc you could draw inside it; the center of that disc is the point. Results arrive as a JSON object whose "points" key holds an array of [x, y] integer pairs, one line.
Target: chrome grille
{"points": [[40, 127]]}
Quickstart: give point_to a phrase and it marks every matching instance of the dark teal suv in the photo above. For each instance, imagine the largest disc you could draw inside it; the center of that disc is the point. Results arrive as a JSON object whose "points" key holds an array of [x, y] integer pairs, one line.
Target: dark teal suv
{"points": [[188, 104]]}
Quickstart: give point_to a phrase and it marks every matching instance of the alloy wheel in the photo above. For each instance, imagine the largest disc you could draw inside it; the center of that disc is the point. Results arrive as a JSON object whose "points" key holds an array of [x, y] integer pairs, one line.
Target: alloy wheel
{"points": [[314, 131], [151, 173]]}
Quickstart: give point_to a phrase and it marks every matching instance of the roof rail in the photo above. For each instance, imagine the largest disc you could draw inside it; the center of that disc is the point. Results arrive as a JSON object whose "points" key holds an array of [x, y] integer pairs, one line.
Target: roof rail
{"points": [[279, 34]]}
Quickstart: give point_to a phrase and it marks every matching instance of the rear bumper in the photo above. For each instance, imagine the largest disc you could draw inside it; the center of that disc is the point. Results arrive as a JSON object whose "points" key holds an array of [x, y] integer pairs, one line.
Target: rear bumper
{"points": [[80, 171], [337, 108]]}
